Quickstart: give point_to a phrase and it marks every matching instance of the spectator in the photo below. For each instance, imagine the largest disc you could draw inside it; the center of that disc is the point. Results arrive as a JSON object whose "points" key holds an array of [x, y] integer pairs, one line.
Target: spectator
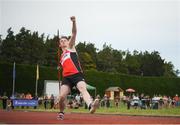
{"points": [[28, 96], [35, 98], [52, 101], [45, 102], [136, 101], [169, 102], [165, 101], [99, 98], [8, 105], [116, 101], [78, 99], [161, 102], [75, 104], [128, 99], [155, 102], [70, 104], [173, 103], [4, 100], [148, 102], [22, 96], [108, 102], [124, 99], [105, 100], [12, 98], [176, 99]]}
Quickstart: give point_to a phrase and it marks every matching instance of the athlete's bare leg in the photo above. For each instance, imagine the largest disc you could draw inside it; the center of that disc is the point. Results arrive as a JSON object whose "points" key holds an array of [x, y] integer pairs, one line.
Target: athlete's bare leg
{"points": [[92, 105], [64, 91], [85, 94]]}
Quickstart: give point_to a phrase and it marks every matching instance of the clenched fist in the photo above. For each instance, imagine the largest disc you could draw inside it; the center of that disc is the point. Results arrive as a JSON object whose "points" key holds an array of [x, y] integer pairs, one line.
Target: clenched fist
{"points": [[73, 18]]}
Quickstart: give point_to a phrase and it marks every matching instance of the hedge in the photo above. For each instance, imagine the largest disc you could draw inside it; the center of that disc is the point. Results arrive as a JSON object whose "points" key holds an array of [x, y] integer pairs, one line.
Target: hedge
{"points": [[26, 79], [147, 85]]}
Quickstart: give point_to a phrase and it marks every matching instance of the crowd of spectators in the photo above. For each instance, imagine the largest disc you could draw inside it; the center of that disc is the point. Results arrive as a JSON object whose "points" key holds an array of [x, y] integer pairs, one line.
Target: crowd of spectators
{"points": [[142, 101], [76, 101]]}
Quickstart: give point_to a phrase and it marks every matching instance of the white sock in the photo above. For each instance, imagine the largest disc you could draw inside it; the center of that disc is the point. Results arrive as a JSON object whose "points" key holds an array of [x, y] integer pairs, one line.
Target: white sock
{"points": [[89, 104]]}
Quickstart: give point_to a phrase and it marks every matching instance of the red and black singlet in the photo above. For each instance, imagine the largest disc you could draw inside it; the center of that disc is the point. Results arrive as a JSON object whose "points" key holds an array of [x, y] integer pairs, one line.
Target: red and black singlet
{"points": [[70, 63]]}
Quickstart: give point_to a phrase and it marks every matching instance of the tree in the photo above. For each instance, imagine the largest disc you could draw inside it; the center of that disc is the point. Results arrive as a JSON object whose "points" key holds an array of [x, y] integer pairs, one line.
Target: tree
{"points": [[104, 62], [133, 63], [52, 51], [23, 47], [0, 43], [87, 55], [119, 62], [0, 39], [168, 70], [8, 47], [86, 60], [31, 48], [152, 64], [177, 72]]}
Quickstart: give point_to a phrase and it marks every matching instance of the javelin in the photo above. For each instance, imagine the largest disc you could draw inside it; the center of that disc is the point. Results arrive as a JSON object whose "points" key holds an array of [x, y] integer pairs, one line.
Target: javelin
{"points": [[58, 59]]}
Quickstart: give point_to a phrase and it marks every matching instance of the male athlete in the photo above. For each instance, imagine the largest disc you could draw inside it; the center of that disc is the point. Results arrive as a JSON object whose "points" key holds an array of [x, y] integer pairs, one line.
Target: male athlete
{"points": [[72, 73]]}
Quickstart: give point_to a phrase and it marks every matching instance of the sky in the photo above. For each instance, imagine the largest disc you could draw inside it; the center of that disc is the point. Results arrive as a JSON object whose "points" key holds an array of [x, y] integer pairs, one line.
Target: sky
{"points": [[152, 25]]}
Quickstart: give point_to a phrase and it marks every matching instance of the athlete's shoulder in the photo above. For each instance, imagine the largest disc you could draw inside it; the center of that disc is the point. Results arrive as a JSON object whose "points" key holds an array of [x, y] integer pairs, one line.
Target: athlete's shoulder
{"points": [[73, 49]]}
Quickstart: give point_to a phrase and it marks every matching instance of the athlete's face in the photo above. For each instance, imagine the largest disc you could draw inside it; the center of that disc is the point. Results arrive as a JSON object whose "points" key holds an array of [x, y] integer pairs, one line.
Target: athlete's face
{"points": [[63, 43]]}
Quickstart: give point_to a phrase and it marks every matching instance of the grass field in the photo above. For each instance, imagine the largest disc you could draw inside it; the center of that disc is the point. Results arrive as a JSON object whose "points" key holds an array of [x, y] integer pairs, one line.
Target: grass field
{"points": [[121, 110]]}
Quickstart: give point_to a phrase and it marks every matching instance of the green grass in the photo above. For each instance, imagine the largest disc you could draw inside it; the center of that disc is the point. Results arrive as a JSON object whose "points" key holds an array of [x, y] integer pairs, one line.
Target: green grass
{"points": [[121, 110]]}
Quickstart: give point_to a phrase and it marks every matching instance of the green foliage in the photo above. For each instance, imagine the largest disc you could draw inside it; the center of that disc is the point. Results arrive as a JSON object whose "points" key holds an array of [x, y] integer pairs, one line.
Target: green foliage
{"points": [[87, 61], [87, 55], [152, 64], [51, 51], [147, 85], [133, 63], [24, 47], [28, 47], [26, 79]]}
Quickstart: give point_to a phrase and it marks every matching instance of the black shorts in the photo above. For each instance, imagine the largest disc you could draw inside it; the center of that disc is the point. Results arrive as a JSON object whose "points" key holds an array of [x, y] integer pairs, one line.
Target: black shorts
{"points": [[72, 80]]}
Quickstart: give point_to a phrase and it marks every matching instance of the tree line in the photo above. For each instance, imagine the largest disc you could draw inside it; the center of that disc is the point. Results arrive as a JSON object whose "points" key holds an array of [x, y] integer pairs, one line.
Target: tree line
{"points": [[28, 47]]}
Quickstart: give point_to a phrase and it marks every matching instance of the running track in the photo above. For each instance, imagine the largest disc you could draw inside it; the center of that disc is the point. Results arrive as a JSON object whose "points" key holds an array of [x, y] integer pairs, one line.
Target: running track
{"points": [[21, 117]]}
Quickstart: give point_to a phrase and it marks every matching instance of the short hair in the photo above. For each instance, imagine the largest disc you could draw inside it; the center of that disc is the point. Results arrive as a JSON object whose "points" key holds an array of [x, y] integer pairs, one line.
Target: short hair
{"points": [[65, 37]]}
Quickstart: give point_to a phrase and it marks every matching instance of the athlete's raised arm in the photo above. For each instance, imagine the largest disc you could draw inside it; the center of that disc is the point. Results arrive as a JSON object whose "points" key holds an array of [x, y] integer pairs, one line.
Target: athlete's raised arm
{"points": [[74, 32]]}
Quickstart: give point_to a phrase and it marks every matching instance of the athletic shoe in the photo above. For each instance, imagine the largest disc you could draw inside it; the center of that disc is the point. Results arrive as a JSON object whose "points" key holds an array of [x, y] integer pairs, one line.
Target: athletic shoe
{"points": [[93, 106], [60, 116]]}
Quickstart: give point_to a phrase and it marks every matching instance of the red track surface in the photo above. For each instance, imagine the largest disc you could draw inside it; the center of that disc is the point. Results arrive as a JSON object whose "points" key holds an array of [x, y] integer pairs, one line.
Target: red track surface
{"points": [[21, 117]]}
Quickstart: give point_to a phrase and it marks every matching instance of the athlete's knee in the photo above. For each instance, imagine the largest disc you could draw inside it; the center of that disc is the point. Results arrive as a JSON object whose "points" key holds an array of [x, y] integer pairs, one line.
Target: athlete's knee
{"points": [[82, 89], [81, 86], [61, 99]]}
